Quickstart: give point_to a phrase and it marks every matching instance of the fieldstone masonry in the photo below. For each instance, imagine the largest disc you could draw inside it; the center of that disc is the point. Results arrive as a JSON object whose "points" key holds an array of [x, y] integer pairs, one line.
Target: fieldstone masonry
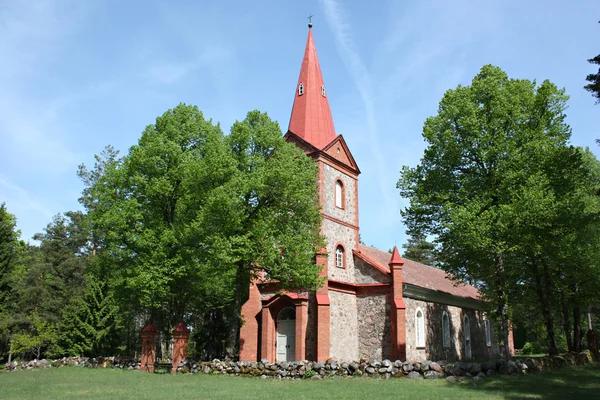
{"points": [[453, 372], [373, 327], [434, 348], [344, 339]]}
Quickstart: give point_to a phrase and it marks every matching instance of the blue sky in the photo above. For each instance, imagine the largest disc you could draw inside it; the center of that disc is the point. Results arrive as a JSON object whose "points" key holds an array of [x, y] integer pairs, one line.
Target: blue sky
{"points": [[78, 75]]}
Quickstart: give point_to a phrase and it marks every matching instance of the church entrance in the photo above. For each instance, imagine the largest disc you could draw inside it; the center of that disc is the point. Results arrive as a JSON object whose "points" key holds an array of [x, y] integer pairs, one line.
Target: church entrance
{"points": [[286, 334]]}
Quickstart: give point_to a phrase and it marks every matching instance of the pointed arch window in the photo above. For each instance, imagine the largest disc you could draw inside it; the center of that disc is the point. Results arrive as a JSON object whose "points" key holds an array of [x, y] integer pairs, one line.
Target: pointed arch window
{"points": [[446, 329], [300, 89], [323, 91], [420, 328], [339, 256], [339, 194], [488, 332]]}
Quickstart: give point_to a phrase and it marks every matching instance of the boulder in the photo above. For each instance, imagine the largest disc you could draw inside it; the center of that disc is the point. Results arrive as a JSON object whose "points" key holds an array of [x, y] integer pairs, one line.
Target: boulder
{"points": [[432, 375], [488, 365], [451, 379], [414, 375], [435, 367]]}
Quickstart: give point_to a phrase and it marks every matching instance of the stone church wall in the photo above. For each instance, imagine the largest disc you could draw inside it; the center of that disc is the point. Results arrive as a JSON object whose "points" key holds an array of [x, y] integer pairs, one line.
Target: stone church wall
{"points": [[434, 349], [344, 332], [348, 213], [364, 273], [340, 234], [373, 327]]}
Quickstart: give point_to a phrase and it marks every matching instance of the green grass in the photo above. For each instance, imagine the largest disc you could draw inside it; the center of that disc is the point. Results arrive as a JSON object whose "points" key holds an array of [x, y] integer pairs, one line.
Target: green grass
{"points": [[82, 383]]}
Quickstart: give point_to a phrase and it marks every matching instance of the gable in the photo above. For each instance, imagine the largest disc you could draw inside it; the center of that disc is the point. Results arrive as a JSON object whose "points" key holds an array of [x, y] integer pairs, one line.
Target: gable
{"points": [[339, 151]]}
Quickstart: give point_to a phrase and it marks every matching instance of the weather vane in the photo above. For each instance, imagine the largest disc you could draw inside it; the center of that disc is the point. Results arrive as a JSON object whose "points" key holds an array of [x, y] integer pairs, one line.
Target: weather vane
{"points": [[309, 20]]}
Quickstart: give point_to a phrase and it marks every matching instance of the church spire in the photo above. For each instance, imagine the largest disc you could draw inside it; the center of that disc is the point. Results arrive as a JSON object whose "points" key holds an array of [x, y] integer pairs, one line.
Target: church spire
{"points": [[311, 117]]}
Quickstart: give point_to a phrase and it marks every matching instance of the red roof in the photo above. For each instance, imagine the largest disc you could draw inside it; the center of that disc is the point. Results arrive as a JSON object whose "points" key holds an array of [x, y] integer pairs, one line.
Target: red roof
{"points": [[311, 117], [421, 275]]}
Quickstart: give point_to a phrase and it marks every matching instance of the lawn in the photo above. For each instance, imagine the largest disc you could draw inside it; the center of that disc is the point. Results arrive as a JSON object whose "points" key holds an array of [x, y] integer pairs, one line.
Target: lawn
{"points": [[82, 383]]}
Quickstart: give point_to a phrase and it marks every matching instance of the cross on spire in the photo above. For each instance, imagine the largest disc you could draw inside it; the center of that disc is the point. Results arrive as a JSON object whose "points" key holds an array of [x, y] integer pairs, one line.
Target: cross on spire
{"points": [[310, 20]]}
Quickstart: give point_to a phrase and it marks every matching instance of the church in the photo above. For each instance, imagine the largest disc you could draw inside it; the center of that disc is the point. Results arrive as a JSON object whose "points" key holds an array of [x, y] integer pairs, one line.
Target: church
{"points": [[373, 304]]}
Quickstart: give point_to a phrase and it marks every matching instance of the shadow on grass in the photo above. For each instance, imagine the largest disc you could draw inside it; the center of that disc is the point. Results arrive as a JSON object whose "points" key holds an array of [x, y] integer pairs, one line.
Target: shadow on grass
{"points": [[564, 383]]}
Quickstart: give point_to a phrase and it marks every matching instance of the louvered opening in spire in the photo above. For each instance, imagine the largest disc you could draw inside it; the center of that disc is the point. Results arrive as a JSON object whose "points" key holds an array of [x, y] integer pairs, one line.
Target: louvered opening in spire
{"points": [[311, 117]]}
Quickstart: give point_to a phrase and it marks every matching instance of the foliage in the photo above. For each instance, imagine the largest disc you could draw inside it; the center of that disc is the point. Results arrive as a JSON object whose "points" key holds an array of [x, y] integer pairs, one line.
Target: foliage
{"points": [[9, 251], [419, 249], [41, 336], [188, 216], [90, 324], [506, 198], [594, 80]]}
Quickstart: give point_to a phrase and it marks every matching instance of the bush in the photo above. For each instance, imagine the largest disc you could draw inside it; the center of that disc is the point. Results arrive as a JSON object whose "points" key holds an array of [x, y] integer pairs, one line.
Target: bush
{"points": [[527, 348]]}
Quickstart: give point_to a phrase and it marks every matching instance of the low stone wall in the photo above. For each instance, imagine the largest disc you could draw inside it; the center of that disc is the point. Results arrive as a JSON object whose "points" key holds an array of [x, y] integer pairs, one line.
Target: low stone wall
{"points": [[458, 371]]}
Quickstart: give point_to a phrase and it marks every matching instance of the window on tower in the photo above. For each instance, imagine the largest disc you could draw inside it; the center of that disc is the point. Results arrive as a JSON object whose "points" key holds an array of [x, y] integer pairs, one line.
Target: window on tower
{"points": [[323, 91], [339, 257], [339, 194], [300, 89]]}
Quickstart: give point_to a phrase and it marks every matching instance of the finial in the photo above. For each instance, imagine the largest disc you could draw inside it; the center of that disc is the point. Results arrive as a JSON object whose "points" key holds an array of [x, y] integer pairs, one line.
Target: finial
{"points": [[310, 20]]}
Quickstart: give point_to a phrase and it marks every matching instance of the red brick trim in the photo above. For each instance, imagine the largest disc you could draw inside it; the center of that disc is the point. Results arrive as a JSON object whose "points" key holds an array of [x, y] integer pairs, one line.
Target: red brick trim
{"points": [[370, 261], [359, 289], [339, 221]]}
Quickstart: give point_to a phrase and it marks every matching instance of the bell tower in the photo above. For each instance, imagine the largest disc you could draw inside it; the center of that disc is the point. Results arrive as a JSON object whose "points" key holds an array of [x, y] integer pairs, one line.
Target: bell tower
{"points": [[311, 128]]}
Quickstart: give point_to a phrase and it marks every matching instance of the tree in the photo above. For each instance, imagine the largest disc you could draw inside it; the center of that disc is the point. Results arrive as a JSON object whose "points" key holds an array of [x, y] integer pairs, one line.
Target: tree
{"points": [[594, 80], [489, 182], [189, 216], [420, 250], [275, 220], [9, 248]]}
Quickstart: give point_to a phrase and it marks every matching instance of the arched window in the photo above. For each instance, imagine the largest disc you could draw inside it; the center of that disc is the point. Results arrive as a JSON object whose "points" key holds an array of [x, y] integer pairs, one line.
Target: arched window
{"points": [[339, 194], [420, 328], [287, 314], [323, 91], [488, 332], [467, 335], [300, 89], [446, 329], [339, 257]]}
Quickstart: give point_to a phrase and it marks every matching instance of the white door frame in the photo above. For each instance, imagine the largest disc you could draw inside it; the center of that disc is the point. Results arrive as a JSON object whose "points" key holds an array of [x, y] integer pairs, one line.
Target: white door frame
{"points": [[286, 335]]}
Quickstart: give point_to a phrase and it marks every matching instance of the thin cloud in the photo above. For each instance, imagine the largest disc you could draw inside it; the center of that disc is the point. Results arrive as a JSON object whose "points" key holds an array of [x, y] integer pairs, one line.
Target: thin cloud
{"points": [[335, 16]]}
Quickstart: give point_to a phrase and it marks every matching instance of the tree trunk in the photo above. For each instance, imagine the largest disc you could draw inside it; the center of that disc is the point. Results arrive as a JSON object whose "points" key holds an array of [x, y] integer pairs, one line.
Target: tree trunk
{"points": [[549, 321], [503, 311], [242, 282], [542, 290], [577, 338], [504, 328], [567, 323]]}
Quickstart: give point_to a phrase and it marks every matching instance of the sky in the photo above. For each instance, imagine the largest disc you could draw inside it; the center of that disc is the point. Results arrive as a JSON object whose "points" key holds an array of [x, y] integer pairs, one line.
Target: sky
{"points": [[76, 76]]}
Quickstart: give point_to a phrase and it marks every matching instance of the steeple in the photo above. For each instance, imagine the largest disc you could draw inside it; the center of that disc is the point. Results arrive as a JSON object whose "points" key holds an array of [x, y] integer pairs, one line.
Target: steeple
{"points": [[311, 117]]}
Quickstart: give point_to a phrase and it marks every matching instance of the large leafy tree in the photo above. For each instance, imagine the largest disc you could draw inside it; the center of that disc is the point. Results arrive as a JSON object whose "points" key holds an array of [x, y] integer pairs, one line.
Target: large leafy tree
{"points": [[495, 178], [188, 216]]}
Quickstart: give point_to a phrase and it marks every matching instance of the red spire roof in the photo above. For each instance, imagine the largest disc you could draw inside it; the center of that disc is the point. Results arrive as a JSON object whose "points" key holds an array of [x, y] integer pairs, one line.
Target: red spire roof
{"points": [[396, 259], [311, 116]]}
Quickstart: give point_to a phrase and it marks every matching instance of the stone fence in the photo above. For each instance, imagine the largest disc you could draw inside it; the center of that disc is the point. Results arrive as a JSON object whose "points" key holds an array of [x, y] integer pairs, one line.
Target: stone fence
{"points": [[457, 371]]}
